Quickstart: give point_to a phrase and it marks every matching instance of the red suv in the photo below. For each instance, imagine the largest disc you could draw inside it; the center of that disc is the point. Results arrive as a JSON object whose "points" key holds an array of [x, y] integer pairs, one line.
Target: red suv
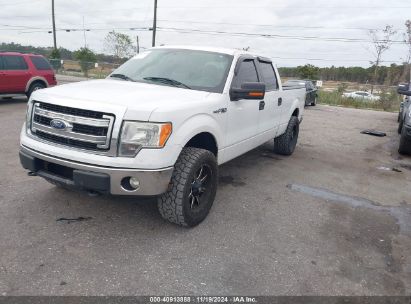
{"points": [[24, 73]]}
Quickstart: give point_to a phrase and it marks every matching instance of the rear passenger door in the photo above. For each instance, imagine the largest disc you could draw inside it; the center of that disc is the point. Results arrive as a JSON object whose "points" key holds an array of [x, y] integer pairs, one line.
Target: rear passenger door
{"points": [[270, 112], [16, 73]]}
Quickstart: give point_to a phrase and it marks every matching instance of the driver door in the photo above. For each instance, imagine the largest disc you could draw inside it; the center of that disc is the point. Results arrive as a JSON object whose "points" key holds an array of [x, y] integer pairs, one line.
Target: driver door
{"points": [[243, 114]]}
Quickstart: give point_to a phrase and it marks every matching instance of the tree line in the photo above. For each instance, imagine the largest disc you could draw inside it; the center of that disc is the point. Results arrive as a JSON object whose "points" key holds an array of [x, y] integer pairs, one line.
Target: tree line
{"points": [[386, 75]]}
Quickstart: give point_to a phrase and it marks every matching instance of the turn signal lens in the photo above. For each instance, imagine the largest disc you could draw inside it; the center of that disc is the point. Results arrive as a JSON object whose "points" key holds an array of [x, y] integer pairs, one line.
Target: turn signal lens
{"points": [[165, 133], [256, 94]]}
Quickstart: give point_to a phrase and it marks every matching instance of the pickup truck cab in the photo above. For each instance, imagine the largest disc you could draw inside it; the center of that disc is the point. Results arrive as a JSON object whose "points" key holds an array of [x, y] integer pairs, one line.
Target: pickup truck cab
{"points": [[160, 125]]}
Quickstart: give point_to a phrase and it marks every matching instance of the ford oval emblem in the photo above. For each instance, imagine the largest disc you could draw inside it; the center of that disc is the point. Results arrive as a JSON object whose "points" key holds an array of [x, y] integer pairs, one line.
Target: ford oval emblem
{"points": [[58, 124]]}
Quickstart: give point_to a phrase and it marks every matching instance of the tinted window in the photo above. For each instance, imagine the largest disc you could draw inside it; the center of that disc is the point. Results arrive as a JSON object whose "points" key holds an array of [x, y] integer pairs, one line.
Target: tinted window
{"points": [[269, 76], [246, 73], [40, 63], [14, 63], [1, 63]]}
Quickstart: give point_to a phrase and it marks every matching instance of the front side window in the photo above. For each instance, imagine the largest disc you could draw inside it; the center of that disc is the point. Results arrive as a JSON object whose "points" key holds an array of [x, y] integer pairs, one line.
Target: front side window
{"points": [[40, 63], [246, 73], [269, 76], [14, 63], [197, 70]]}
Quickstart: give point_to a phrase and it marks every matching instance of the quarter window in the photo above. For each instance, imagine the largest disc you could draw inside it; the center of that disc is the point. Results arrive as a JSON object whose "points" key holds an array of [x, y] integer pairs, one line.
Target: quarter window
{"points": [[246, 73], [14, 63], [269, 76], [40, 63]]}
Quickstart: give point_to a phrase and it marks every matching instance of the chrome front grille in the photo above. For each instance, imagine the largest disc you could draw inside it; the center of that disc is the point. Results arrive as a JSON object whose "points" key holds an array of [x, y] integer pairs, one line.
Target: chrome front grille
{"points": [[78, 128]]}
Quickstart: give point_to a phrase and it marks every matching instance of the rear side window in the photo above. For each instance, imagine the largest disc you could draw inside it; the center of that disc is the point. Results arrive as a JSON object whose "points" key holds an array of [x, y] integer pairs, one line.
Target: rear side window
{"points": [[269, 76], [40, 63], [246, 73], [14, 63]]}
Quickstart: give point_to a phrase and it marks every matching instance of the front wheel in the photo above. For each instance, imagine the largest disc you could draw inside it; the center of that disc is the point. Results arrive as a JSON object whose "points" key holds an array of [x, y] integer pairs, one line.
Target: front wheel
{"points": [[193, 188], [286, 143]]}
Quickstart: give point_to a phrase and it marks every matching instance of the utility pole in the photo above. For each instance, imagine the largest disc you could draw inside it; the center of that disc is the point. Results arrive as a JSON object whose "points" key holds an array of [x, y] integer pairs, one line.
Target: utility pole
{"points": [[84, 33], [54, 24], [138, 46], [154, 23]]}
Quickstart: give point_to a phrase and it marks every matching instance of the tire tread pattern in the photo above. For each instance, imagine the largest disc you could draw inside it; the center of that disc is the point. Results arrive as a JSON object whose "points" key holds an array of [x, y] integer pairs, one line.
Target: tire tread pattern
{"points": [[170, 204], [282, 143]]}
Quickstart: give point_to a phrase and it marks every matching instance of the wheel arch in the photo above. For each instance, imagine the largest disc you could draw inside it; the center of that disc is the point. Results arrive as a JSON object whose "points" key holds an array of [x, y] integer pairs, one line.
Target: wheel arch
{"points": [[204, 140], [36, 79]]}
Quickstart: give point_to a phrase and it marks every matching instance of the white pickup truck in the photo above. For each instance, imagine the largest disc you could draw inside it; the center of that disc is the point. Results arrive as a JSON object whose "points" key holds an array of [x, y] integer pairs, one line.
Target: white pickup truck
{"points": [[160, 125]]}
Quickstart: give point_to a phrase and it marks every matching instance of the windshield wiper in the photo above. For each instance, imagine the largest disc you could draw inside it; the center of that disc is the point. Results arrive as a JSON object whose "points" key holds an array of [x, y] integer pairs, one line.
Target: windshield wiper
{"points": [[172, 82], [122, 76]]}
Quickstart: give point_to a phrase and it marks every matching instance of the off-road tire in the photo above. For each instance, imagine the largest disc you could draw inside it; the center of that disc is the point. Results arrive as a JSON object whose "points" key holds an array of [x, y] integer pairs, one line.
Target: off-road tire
{"points": [[399, 117], [34, 87], [286, 143], [405, 143], [175, 205]]}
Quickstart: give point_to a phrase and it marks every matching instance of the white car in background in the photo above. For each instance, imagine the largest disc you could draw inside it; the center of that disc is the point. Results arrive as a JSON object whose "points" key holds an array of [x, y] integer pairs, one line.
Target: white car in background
{"points": [[361, 95]]}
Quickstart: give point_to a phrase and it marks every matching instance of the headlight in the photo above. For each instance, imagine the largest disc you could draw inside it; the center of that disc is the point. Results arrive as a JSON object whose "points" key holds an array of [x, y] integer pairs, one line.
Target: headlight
{"points": [[137, 135]]}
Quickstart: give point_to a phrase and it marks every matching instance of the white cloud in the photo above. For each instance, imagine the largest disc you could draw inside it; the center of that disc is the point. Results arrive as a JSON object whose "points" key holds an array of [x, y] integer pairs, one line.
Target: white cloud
{"points": [[317, 18]]}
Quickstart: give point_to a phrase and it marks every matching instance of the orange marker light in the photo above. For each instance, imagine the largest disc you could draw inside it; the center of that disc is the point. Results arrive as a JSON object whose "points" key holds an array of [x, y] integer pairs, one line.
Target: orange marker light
{"points": [[255, 94], [165, 133]]}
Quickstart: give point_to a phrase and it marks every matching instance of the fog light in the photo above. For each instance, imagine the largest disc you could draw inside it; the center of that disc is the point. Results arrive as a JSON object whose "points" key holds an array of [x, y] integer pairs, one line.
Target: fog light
{"points": [[134, 183], [130, 183]]}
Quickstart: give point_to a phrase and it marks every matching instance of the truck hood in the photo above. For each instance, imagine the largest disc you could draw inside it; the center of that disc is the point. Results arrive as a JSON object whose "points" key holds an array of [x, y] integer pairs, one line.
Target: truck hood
{"points": [[135, 99]]}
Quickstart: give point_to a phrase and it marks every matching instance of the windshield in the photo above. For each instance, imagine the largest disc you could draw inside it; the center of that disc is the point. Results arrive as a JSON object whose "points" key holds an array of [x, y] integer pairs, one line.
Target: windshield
{"points": [[190, 69]]}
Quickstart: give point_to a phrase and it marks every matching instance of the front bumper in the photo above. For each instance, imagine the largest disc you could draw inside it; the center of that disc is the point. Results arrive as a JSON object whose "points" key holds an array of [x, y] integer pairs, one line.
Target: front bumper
{"points": [[95, 178]]}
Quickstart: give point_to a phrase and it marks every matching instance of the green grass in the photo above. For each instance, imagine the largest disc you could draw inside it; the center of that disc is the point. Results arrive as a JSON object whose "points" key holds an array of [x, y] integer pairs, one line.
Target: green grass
{"points": [[390, 101]]}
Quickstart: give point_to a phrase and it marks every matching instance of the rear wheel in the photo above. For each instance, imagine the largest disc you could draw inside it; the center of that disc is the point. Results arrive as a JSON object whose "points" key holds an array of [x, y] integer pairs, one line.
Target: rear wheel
{"points": [[193, 188], [34, 87], [286, 143], [314, 103], [405, 143]]}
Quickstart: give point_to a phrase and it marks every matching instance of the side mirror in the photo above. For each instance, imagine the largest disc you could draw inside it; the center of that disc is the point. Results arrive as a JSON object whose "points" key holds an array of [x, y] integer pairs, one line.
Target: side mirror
{"points": [[249, 90], [404, 89]]}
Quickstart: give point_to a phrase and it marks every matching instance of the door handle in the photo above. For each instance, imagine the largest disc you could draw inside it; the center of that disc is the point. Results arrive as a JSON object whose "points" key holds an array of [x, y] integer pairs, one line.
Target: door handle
{"points": [[280, 101], [261, 105]]}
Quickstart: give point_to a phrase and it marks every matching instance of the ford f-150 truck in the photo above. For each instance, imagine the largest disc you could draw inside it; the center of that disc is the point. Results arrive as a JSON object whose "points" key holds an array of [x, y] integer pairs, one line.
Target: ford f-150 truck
{"points": [[160, 125]]}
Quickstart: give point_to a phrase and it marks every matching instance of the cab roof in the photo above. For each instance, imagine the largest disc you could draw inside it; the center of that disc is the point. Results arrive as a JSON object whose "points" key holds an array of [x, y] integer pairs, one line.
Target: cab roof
{"points": [[227, 51]]}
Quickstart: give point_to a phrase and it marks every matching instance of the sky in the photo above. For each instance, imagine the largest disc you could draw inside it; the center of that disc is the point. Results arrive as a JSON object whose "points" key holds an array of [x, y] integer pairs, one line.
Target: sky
{"points": [[319, 32]]}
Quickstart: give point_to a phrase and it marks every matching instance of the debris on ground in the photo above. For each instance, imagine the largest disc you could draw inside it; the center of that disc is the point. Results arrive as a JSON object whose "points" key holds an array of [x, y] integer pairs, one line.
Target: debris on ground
{"points": [[374, 133], [389, 169], [72, 220]]}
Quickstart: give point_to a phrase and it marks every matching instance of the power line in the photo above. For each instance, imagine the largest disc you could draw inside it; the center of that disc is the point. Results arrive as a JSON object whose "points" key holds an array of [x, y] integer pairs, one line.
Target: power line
{"points": [[270, 25], [267, 35], [218, 32]]}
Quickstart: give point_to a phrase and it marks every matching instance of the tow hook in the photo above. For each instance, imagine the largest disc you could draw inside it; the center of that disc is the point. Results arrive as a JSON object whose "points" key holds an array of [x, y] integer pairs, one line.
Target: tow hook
{"points": [[32, 173]]}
